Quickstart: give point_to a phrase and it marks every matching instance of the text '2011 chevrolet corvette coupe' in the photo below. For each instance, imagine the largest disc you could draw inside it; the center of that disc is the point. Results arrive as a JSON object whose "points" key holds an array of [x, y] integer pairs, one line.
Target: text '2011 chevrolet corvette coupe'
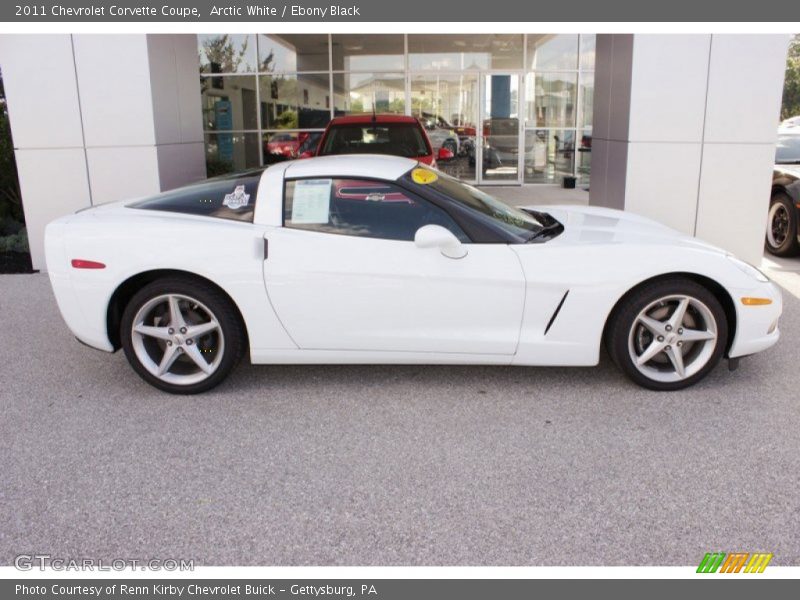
{"points": [[378, 259]]}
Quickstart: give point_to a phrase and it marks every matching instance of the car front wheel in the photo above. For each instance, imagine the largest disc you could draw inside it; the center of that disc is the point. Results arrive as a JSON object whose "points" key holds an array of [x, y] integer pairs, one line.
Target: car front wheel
{"points": [[181, 336], [668, 335], [782, 226]]}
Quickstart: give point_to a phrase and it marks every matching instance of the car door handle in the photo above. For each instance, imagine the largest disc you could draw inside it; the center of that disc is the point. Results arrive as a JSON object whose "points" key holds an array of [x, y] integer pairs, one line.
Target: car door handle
{"points": [[266, 248]]}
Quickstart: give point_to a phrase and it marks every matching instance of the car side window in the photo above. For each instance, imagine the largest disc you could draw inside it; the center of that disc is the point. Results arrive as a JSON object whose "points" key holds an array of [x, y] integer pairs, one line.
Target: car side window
{"points": [[361, 207], [229, 197]]}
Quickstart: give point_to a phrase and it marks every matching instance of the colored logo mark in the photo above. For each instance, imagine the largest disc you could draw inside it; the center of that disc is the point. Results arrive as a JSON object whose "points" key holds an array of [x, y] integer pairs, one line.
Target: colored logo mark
{"points": [[734, 562]]}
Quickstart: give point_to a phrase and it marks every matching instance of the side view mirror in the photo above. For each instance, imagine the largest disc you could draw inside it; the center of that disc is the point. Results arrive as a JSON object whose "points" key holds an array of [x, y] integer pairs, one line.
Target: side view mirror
{"points": [[445, 154], [436, 236], [307, 154]]}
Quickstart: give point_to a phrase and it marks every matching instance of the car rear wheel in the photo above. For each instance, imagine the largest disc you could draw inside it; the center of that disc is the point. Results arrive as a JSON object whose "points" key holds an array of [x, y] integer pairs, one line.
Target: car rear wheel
{"points": [[668, 335], [182, 336], [781, 237]]}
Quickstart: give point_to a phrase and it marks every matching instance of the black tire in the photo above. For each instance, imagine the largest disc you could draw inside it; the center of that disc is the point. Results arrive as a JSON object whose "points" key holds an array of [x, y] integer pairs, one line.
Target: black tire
{"points": [[222, 309], [781, 237], [623, 320]]}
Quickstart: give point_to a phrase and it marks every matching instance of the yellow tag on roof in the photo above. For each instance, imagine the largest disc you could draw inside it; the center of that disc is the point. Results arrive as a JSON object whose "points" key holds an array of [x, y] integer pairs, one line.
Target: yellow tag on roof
{"points": [[423, 176]]}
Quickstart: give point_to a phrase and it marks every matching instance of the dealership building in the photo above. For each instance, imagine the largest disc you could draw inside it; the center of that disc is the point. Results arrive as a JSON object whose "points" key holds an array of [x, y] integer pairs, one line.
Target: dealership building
{"points": [[679, 128]]}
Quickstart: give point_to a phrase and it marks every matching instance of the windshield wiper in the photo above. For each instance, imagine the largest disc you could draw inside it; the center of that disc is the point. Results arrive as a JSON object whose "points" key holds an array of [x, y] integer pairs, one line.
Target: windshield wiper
{"points": [[788, 162], [547, 232]]}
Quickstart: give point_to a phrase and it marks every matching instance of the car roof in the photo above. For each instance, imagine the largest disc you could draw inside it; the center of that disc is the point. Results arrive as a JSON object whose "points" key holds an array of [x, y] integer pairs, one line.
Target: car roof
{"points": [[369, 117], [378, 166]]}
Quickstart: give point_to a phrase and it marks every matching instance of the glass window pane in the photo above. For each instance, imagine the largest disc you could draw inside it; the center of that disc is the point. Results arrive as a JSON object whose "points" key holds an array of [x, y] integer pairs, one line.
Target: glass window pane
{"points": [[284, 145], [309, 144], [227, 152], [552, 52], [398, 139], [227, 53], [365, 92], [359, 52], [450, 52], [585, 156], [447, 106], [550, 99], [446, 100], [292, 52], [295, 101], [587, 99], [229, 102], [588, 42], [462, 165], [549, 155]]}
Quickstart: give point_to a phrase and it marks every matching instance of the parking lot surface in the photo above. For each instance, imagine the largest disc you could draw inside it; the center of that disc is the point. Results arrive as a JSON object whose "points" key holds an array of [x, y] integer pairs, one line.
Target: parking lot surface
{"points": [[389, 465]]}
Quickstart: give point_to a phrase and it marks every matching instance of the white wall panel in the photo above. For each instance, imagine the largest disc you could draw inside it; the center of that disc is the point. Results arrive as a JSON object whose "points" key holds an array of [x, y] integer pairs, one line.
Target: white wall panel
{"points": [[745, 85], [39, 79], [179, 164], [662, 182], [53, 184], [118, 117], [119, 173], [668, 88], [734, 197], [114, 85], [164, 86], [701, 138], [188, 88]]}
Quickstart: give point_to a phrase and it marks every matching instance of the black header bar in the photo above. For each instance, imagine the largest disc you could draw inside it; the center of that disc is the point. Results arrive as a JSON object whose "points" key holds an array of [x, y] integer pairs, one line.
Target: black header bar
{"points": [[344, 11]]}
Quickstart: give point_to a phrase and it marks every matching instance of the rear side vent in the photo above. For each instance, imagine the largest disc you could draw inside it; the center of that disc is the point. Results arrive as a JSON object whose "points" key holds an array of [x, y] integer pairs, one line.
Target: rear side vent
{"points": [[555, 314]]}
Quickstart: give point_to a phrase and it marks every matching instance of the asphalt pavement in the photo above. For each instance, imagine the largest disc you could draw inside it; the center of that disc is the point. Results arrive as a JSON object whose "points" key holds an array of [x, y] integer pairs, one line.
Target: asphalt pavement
{"points": [[389, 465]]}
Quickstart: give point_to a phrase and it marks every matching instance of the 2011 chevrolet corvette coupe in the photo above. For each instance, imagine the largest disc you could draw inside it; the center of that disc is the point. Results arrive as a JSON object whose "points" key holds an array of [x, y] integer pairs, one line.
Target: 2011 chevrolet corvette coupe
{"points": [[378, 259]]}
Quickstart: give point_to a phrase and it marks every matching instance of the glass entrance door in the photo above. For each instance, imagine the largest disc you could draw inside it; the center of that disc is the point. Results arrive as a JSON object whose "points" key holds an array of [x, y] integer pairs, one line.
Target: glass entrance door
{"points": [[499, 150]]}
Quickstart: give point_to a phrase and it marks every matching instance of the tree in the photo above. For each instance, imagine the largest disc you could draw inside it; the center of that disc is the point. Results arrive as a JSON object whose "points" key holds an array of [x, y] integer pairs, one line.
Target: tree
{"points": [[10, 197], [791, 86], [222, 55]]}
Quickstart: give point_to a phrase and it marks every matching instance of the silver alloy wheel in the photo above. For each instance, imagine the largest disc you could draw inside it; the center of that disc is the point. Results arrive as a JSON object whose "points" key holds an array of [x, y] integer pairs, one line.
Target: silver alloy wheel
{"points": [[177, 339], [778, 225], [672, 338]]}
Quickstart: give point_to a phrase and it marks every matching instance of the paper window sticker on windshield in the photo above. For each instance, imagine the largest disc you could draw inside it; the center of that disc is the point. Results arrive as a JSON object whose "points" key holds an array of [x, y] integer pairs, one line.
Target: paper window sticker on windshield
{"points": [[311, 201], [237, 199], [423, 176]]}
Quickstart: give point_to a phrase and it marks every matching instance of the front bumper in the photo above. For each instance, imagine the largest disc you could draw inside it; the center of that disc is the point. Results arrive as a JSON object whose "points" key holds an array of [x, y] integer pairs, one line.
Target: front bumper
{"points": [[756, 326]]}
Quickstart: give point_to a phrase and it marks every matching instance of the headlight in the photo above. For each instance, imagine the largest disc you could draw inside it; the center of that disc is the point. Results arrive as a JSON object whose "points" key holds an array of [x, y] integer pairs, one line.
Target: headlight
{"points": [[748, 268]]}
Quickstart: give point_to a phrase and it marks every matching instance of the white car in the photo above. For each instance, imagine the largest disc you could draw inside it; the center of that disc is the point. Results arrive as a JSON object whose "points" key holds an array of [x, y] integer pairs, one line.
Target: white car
{"points": [[790, 123], [378, 259]]}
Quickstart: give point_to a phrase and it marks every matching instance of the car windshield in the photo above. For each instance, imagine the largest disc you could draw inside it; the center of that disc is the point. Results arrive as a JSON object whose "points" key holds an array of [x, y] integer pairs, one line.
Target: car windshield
{"points": [[518, 223], [788, 152], [396, 139]]}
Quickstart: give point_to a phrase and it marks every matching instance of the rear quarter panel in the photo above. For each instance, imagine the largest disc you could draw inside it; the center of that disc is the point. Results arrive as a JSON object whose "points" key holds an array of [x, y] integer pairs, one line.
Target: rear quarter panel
{"points": [[131, 241]]}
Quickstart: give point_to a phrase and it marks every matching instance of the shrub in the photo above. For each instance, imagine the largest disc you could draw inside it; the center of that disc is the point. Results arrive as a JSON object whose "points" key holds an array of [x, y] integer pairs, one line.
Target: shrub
{"points": [[791, 85], [216, 167], [10, 197], [17, 242]]}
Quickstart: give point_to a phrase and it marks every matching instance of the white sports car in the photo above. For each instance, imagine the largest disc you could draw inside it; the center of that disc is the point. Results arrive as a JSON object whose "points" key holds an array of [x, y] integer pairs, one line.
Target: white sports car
{"points": [[378, 259]]}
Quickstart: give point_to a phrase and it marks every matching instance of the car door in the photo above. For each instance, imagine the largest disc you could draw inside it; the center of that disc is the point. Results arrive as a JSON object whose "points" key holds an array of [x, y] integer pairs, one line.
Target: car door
{"points": [[345, 274]]}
